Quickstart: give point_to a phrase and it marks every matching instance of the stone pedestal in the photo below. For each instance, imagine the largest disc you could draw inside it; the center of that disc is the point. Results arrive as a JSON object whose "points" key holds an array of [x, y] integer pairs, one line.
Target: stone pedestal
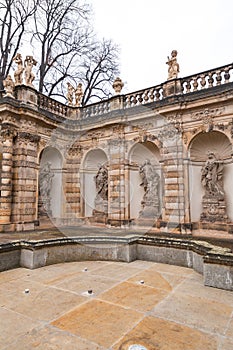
{"points": [[100, 213], [172, 87], [214, 210]]}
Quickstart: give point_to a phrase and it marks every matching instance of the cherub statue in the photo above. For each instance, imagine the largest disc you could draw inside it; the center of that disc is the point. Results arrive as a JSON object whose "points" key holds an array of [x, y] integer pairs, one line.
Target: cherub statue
{"points": [[78, 95], [18, 74], [173, 66], [70, 93], [8, 86], [29, 62]]}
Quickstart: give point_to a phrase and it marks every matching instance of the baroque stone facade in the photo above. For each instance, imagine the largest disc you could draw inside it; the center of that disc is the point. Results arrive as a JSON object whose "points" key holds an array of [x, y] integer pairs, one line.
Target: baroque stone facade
{"points": [[160, 157]]}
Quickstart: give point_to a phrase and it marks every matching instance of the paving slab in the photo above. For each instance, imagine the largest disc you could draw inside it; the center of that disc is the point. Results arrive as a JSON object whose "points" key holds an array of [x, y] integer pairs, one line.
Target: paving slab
{"points": [[171, 310]]}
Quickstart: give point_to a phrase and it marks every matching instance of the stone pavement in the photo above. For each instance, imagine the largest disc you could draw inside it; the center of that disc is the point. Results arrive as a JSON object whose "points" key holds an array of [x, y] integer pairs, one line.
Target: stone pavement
{"points": [[156, 306]]}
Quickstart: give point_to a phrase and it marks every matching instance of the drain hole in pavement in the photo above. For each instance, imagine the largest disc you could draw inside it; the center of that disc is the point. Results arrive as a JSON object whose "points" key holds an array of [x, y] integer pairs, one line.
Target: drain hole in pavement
{"points": [[137, 347]]}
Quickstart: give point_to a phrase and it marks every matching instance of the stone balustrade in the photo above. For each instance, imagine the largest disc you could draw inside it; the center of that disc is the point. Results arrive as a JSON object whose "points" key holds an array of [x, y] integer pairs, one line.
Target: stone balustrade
{"points": [[95, 109], [207, 79], [191, 84], [52, 105], [142, 97]]}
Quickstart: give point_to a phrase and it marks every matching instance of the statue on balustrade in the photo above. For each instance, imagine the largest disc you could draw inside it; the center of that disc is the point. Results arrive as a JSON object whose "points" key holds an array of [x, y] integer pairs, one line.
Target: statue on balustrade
{"points": [[18, 74], [173, 66], [78, 95], [8, 86], [150, 182], [70, 94], [213, 201], [29, 62]]}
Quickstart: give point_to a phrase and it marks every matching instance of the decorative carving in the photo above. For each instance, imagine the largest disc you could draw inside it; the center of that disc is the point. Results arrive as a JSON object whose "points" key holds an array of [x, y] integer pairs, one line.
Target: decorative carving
{"points": [[173, 66], [29, 137], [118, 85], [78, 95], [9, 86], [150, 182], [168, 131], [18, 74], [214, 207], [29, 62], [207, 113]]}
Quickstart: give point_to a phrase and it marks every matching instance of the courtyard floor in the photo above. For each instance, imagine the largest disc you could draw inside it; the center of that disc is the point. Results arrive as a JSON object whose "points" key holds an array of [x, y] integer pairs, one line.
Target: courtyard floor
{"points": [[156, 306]]}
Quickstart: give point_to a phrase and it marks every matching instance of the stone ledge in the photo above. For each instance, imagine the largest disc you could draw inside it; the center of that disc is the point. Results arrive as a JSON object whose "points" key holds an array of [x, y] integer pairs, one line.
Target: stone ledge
{"points": [[215, 263]]}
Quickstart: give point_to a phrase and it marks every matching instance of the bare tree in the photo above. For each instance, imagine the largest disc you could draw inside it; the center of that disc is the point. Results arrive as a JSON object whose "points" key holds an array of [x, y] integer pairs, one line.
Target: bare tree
{"points": [[61, 34], [15, 15], [98, 70], [71, 52]]}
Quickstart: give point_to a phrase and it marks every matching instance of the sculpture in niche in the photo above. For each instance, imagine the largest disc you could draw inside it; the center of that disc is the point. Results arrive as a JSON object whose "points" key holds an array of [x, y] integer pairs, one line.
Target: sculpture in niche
{"points": [[45, 183], [101, 181], [70, 94], [213, 201], [212, 176], [8, 86], [78, 95], [150, 182], [101, 199], [29, 62], [18, 74], [173, 66]]}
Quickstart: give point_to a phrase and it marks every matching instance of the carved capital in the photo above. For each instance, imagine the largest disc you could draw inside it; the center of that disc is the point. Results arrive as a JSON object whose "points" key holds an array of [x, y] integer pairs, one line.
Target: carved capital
{"points": [[29, 137]]}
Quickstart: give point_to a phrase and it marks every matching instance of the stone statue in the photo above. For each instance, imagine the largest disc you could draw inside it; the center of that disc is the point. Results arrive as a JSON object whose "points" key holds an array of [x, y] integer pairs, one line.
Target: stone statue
{"points": [[8, 86], [70, 93], [213, 201], [212, 176], [173, 66], [118, 85], [150, 182], [101, 181], [78, 95], [29, 62], [18, 74], [45, 180]]}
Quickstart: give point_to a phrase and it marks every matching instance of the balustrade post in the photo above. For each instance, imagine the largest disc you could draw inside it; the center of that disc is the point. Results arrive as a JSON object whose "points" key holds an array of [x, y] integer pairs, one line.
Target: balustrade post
{"points": [[116, 102], [172, 87]]}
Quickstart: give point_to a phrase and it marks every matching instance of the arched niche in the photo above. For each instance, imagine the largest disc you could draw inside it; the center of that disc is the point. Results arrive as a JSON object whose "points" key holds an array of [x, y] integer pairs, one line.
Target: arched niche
{"points": [[52, 156], [138, 154], [89, 168], [203, 143]]}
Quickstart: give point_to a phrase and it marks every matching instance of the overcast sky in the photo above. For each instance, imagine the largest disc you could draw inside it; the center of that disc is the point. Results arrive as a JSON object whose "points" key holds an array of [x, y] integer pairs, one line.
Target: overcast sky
{"points": [[148, 30]]}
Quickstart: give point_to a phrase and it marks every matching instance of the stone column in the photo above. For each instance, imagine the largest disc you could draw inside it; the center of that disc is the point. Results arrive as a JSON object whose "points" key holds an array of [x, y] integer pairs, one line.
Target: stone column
{"points": [[25, 181], [173, 214], [72, 209], [116, 190], [7, 134]]}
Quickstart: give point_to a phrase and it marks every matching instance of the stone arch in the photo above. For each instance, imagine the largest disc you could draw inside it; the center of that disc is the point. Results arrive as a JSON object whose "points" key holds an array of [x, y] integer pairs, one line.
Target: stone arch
{"points": [[54, 196], [90, 164], [198, 148], [138, 154]]}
